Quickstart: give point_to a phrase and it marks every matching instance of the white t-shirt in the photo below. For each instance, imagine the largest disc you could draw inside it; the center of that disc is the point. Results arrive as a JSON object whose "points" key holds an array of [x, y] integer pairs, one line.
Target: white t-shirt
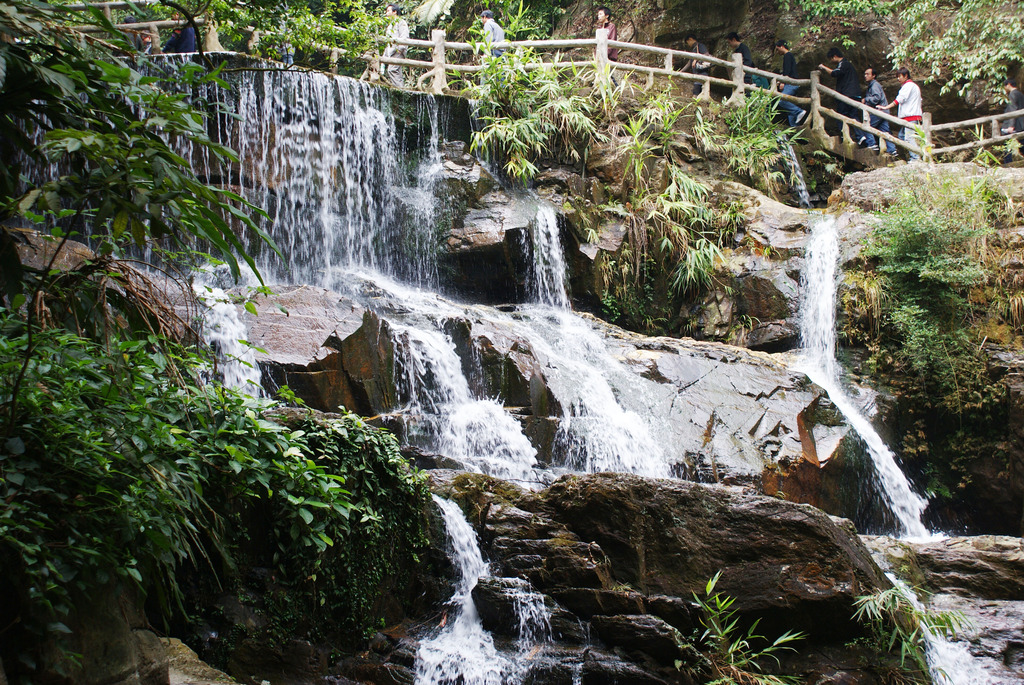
{"points": [[909, 98]]}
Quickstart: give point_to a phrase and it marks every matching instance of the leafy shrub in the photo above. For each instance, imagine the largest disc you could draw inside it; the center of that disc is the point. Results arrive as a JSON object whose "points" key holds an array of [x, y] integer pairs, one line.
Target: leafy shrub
{"points": [[735, 658], [118, 464], [527, 114], [927, 248]]}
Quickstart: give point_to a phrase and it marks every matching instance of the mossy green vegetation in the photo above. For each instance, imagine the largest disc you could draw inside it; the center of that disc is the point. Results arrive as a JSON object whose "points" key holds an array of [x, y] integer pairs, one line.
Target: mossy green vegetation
{"points": [[119, 463], [929, 297]]}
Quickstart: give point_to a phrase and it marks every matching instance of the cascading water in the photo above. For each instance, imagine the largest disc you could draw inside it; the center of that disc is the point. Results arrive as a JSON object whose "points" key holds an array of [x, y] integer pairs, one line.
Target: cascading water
{"points": [[462, 652], [548, 259], [225, 332], [796, 171], [326, 157], [818, 341], [479, 433], [949, 661]]}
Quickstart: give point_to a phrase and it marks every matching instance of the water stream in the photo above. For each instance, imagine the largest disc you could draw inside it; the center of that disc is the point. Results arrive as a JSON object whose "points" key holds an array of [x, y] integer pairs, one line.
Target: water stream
{"points": [[796, 172], [462, 652], [950, 662], [818, 341]]}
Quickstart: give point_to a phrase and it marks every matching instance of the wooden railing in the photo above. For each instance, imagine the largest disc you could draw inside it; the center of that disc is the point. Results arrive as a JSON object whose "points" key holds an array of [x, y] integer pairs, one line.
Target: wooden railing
{"points": [[434, 79], [921, 143]]}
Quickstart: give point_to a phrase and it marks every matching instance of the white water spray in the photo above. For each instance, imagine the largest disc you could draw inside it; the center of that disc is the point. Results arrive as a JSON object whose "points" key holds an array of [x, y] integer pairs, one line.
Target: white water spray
{"points": [[818, 341], [797, 171], [548, 259], [462, 652], [224, 330], [949, 661], [479, 433]]}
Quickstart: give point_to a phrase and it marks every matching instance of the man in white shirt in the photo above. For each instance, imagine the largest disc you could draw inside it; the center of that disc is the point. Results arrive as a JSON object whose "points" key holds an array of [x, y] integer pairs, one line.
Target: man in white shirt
{"points": [[398, 29], [909, 100]]}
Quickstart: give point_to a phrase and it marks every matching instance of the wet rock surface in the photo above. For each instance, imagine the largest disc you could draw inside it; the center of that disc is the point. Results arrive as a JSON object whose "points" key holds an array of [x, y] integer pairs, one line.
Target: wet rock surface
{"points": [[982, 578], [728, 415], [622, 557], [487, 247]]}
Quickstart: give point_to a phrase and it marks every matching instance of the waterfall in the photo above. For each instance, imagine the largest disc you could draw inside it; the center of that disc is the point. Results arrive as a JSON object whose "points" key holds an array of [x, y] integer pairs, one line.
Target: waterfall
{"points": [[462, 652], [797, 171], [818, 342], [548, 259], [225, 332], [479, 433], [346, 180], [949, 661]]}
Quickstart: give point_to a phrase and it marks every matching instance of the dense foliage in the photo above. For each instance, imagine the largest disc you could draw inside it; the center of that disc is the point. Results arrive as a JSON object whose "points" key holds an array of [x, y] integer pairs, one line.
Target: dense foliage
{"points": [[120, 464], [957, 45], [928, 300]]}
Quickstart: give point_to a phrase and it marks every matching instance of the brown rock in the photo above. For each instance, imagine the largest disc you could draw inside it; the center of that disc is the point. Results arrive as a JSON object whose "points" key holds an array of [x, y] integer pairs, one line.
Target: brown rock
{"points": [[648, 634], [878, 189]]}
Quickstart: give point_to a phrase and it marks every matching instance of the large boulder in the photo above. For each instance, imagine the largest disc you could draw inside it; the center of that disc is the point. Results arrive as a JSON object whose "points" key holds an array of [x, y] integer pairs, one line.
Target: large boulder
{"points": [[878, 189], [626, 555], [105, 639], [725, 414], [488, 247]]}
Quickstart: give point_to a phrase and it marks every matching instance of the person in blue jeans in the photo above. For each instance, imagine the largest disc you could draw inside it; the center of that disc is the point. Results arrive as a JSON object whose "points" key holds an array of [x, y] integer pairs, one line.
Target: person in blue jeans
{"points": [[875, 97], [794, 113]]}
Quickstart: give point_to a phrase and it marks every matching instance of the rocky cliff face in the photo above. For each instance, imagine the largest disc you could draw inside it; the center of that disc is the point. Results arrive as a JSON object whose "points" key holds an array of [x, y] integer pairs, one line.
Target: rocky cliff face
{"points": [[732, 416], [618, 560]]}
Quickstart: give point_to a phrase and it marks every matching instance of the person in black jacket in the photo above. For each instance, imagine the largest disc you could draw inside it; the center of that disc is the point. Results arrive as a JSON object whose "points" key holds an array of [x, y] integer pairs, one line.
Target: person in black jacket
{"points": [[795, 114], [183, 38], [739, 46], [1014, 103], [847, 84], [695, 65]]}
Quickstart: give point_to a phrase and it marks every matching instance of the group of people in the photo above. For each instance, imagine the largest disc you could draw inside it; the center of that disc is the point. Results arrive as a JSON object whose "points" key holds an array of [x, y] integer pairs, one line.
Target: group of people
{"points": [[908, 99], [183, 38]]}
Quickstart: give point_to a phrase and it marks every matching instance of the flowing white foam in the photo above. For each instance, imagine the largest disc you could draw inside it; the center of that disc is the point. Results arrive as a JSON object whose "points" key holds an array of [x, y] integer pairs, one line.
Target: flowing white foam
{"points": [[477, 432], [548, 259], [225, 332], [949, 661], [462, 652], [818, 341]]}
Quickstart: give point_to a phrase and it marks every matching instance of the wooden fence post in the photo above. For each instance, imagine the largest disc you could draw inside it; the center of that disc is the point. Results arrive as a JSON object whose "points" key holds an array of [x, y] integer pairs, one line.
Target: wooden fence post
{"points": [[996, 128], [736, 70], [926, 126], [154, 34], [601, 57], [439, 82], [374, 65], [817, 120]]}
